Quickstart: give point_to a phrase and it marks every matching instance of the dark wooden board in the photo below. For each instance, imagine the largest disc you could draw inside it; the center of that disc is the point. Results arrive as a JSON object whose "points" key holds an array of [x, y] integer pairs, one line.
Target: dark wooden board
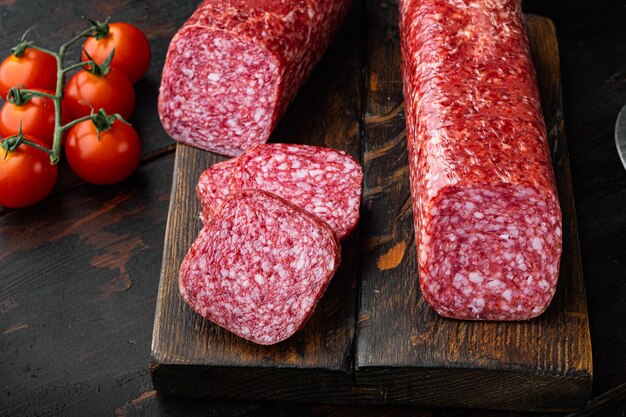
{"points": [[372, 339]]}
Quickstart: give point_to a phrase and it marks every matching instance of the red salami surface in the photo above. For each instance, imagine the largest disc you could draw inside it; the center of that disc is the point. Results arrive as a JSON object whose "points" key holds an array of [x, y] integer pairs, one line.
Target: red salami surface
{"points": [[259, 267], [234, 67], [214, 185], [486, 211]]}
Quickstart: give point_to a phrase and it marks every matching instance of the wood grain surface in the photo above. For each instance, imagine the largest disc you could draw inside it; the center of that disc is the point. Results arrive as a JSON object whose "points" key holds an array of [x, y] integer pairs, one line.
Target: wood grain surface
{"points": [[79, 272], [402, 352]]}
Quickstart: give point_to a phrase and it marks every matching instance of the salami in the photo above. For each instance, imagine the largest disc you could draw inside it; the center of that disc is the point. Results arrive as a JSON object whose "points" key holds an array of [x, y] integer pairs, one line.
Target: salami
{"points": [[259, 267], [486, 211], [235, 65], [323, 181], [214, 185]]}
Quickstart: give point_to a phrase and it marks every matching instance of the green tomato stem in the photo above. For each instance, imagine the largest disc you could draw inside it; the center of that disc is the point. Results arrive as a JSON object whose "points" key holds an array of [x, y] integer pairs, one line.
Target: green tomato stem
{"points": [[77, 65], [55, 153], [38, 93], [58, 131], [34, 145], [39, 48], [77, 121], [69, 43], [14, 142]]}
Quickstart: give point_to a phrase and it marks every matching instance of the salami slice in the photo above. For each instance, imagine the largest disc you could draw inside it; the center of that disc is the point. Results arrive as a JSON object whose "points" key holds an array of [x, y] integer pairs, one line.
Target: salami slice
{"points": [[214, 185], [234, 67], [325, 182], [486, 210], [259, 267]]}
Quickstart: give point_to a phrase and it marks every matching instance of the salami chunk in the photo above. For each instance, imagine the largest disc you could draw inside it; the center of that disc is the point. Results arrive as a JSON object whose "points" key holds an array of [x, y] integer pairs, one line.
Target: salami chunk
{"points": [[214, 185], [486, 211], [259, 267], [234, 67]]}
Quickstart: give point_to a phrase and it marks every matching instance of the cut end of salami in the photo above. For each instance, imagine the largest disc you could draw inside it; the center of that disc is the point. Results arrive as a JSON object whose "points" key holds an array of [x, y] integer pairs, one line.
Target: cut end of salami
{"points": [[497, 256], [235, 66], [219, 91], [259, 267]]}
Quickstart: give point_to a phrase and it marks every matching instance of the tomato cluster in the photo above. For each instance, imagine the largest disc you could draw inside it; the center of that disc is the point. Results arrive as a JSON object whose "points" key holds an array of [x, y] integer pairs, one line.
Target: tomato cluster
{"points": [[100, 149]]}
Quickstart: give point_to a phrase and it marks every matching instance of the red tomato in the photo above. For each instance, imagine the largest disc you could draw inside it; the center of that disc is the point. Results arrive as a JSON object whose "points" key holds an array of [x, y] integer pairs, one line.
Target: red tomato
{"points": [[111, 92], [36, 115], [109, 160], [132, 50], [34, 69], [26, 175]]}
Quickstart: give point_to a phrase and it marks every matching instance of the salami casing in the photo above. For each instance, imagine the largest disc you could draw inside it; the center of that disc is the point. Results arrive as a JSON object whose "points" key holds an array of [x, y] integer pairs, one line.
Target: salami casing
{"points": [[234, 67], [486, 211], [259, 267]]}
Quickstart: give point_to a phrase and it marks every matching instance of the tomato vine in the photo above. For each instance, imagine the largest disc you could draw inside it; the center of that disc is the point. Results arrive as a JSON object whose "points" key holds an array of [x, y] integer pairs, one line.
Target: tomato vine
{"points": [[101, 120]]}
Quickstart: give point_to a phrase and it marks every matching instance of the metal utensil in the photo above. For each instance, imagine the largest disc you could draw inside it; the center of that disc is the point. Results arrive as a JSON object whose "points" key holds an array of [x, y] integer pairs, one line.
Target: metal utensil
{"points": [[620, 135]]}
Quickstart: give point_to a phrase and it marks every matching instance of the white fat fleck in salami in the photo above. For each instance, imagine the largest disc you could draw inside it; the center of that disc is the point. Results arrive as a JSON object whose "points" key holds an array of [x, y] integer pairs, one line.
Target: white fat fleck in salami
{"points": [[214, 185], [486, 211], [323, 181], [259, 267], [234, 67]]}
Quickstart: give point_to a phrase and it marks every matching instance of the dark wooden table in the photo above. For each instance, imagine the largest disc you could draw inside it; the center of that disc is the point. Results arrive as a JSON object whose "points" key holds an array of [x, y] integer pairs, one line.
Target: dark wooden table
{"points": [[79, 272]]}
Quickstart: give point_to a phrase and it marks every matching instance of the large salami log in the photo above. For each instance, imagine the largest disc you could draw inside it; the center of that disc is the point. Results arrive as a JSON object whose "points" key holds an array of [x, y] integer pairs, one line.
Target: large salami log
{"points": [[234, 67], [486, 212]]}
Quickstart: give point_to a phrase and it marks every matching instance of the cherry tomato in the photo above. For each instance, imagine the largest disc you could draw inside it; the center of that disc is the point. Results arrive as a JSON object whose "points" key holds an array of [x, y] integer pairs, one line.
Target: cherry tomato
{"points": [[109, 160], [132, 50], [36, 116], [26, 175], [34, 69], [111, 92]]}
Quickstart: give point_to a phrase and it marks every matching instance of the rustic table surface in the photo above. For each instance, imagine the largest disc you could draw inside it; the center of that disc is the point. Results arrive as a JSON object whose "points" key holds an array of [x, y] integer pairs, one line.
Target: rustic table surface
{"points": [[79, 272]]}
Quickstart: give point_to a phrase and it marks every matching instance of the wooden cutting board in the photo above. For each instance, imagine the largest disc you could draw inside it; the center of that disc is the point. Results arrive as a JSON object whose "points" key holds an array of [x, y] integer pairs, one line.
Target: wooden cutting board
{"points": [[372, 338]]}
